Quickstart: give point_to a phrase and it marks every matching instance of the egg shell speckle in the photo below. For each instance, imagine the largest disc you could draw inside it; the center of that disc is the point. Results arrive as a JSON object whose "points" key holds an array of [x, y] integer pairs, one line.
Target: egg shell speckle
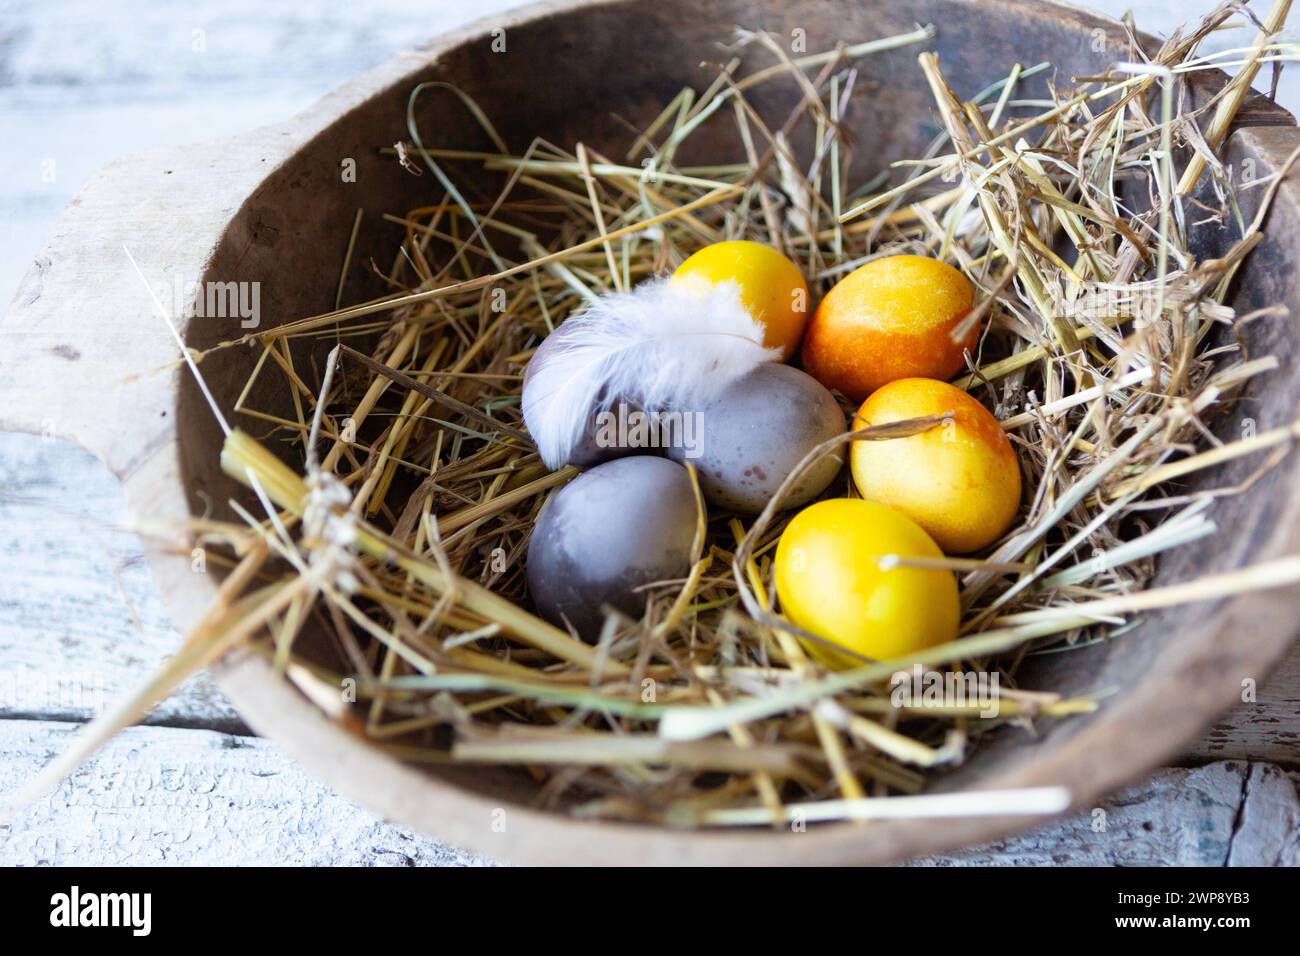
{"points": [[619, 526], [756, 431]]}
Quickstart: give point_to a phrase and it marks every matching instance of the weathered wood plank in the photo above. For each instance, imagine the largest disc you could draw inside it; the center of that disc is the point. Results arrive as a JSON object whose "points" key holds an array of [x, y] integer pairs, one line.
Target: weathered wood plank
{"points": [[153, 75], [81, 620], [160, 795], [1223, 814], [192, 797], [1268, 829], [1266, 729]]}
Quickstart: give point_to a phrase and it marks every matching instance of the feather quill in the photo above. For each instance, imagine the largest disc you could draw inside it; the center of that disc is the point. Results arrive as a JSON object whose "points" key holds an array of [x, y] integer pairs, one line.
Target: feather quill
{"points": [[663, 346]]}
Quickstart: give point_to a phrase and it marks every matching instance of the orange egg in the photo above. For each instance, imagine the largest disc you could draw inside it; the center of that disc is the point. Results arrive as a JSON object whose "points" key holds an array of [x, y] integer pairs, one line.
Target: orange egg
{"points": [[772, 288], [960, 480], [886, 320]]}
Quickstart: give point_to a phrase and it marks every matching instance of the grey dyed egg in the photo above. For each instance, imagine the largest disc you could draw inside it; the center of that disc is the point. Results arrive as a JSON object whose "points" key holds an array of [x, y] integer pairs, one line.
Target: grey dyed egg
{"points": [[751, 436], [612, 529]]}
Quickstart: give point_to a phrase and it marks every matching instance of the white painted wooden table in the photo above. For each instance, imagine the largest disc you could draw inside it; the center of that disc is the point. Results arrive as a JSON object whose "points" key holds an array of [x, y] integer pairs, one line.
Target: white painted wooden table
{"points": [[80, 620]]}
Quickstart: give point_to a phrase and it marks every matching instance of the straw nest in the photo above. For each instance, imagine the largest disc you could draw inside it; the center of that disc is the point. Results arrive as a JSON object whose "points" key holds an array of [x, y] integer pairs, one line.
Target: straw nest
{"points": [[402, 531]]}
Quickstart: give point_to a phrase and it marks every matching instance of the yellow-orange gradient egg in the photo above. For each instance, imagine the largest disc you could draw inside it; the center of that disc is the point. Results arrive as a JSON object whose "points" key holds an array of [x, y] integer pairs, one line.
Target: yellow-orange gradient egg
{"points": [[772, 288], [960, 480], [834, 580], [886, 320]]}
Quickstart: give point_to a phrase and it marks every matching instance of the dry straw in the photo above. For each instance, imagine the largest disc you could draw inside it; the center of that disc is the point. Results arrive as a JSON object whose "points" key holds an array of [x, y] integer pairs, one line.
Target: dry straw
{"points": [[390, 563]]}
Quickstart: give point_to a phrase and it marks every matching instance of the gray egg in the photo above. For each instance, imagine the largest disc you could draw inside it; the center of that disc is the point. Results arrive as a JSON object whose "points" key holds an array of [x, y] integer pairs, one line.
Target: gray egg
{"points": [[749, 438], [611, 530]]}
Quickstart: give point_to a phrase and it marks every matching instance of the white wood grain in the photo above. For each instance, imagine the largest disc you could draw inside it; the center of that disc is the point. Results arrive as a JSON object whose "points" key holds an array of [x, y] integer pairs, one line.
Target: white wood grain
{"points": [[81, 620], [1267, 728], [158, 795], [191, 797], [1268, 827], [84, 82], [1223, 814]]}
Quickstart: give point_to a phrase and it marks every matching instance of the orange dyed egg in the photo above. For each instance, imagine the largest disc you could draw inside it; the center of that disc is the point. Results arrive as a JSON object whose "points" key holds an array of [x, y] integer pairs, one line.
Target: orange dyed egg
{"points": [[886, 320], [772, 288], [960, 480]]}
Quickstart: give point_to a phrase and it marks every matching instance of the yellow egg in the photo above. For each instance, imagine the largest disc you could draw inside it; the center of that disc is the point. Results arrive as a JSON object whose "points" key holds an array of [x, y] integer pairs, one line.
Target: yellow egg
{"points": [[771, 287], [830, 582], [959, 481]]}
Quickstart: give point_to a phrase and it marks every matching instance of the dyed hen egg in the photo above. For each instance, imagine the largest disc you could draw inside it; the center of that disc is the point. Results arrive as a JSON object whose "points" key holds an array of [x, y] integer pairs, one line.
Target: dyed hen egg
{"points": [[606, 534], [772, 288], [889, 319], [832, 582], [960, 480], [749, 438]]}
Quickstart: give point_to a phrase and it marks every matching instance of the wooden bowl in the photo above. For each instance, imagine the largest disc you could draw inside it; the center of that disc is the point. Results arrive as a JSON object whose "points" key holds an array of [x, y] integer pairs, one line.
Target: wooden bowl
{"points": [[92, 363]]}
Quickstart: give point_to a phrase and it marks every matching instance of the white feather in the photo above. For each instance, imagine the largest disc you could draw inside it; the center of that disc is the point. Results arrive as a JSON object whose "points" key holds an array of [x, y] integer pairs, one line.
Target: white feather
{"points": [[663, 346]]}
